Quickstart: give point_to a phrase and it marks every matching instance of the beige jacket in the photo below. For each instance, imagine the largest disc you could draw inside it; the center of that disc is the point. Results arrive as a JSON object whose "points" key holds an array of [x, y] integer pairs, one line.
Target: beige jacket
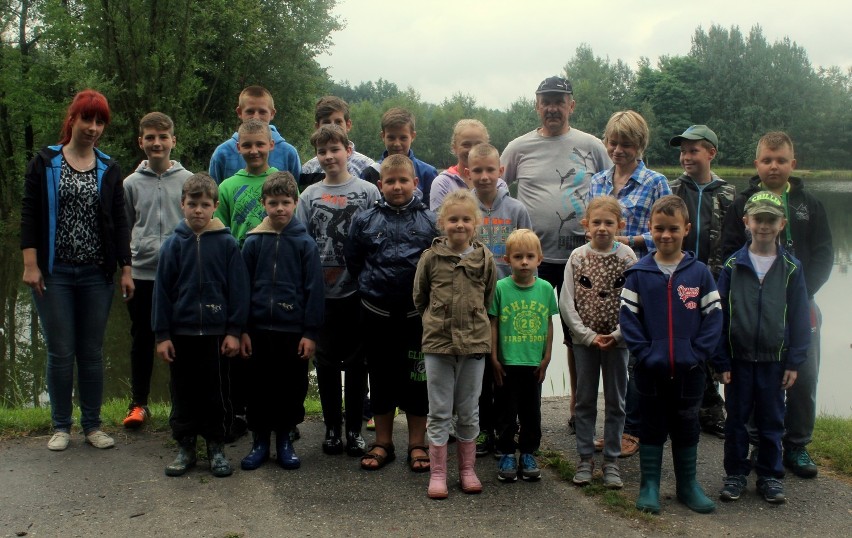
{"points": [[452, 295]]}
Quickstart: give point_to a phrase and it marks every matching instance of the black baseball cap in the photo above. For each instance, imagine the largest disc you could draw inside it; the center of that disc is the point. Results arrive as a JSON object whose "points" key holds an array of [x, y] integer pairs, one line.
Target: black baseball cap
{"points": [[554, 85]]}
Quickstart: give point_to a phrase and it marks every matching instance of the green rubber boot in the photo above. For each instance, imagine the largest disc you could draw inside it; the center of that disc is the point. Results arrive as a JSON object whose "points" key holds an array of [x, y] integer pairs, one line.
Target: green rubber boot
{"points": [[185, 459], [650, 464], [689, 492]]}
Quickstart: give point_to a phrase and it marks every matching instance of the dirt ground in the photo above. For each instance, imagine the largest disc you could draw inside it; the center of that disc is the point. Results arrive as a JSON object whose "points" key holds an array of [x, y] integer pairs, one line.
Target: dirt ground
{"points": [[123, 492]]}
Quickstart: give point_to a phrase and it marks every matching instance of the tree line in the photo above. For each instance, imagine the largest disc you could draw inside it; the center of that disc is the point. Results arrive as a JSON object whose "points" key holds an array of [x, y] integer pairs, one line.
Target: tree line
{"points": [[190, 60]]}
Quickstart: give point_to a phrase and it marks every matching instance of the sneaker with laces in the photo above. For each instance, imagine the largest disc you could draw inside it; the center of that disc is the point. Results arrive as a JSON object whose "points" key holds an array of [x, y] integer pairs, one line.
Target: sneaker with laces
{"points": [[59, 441], [529, 467], [99, 439], [507, 468], [733, 487], [484, 444], [136, 416], [772, 490], [583, 475], [629, 445], [799, 461], [612, 476]]}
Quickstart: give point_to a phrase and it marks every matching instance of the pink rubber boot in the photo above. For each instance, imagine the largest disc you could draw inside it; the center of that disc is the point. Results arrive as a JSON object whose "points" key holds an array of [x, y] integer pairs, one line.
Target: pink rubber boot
{"points": [[467, 457], [438, 471]]}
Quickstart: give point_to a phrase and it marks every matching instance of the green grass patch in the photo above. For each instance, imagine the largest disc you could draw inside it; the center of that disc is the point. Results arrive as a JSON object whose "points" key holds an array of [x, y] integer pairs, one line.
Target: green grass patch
{"points": [[832, 443], [615, 500], [17, 422]]}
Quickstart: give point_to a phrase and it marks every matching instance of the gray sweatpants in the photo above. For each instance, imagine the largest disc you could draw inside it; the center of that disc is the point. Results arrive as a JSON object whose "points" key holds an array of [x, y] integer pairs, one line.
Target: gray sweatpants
{"points": [[454, 383], [591, 361]]}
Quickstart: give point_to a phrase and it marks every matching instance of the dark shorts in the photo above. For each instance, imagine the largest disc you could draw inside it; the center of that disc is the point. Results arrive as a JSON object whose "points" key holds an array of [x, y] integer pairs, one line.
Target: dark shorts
{"points": [[394, 362]]}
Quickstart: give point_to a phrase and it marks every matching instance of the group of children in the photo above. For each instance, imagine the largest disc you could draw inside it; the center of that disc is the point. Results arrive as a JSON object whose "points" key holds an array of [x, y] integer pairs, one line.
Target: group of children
{"points": [[451, 322]]}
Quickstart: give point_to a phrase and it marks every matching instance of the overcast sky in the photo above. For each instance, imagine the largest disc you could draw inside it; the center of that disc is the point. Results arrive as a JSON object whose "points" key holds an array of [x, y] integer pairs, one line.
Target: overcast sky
{"points": [[500, 50]]}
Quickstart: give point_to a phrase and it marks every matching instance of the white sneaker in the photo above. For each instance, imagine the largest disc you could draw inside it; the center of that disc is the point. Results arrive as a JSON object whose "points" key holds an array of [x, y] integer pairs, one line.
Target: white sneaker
{"points": [[59, 441], [99, 439]]}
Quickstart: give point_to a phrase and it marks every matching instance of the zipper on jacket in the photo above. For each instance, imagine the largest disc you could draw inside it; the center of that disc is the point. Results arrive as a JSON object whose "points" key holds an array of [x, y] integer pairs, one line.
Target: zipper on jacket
{"points": [[274, 272], [671, 328], [200, 286], [759, 315], [698, 222]]}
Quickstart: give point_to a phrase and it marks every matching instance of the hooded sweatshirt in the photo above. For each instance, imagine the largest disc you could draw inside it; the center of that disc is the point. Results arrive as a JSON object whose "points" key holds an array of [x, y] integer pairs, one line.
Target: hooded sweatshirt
{"points": [[504, 217], [287, 289], [152, 204], [448, 181], [227, 161]]}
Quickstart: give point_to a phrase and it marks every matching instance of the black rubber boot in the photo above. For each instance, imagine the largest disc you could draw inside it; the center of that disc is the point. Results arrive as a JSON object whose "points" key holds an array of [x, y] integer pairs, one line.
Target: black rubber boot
{"points": [[219, 464], [186, 458], [259, 452]]}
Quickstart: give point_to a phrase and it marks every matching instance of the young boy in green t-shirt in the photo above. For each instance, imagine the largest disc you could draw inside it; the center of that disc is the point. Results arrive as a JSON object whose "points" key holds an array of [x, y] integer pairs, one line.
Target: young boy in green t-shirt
{"points": [[522, 337]]}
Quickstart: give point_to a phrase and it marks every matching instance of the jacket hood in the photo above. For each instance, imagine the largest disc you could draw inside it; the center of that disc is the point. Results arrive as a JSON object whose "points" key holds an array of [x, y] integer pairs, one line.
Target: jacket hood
{"points": [[294, 227], [144, 169], [215, 225], [276, 136], [415, 202], [498, 199]]}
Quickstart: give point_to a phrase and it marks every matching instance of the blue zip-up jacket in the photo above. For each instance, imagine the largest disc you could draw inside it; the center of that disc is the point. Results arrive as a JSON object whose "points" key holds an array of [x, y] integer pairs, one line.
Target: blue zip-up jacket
{"points": [[765, 321], [227, 161], [425, 172], [383, 248], [40, 209], [285, 271], [670, 324], [202, 285]]}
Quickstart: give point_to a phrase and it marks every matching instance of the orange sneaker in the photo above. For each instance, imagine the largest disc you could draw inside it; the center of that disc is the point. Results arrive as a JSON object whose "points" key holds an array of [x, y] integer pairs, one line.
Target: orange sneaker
{"points": [[136, 416], [629, 445]]}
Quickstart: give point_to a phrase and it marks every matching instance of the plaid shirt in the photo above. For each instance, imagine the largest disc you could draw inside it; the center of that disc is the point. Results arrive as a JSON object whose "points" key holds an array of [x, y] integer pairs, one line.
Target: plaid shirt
{"points": [[636, 198]]}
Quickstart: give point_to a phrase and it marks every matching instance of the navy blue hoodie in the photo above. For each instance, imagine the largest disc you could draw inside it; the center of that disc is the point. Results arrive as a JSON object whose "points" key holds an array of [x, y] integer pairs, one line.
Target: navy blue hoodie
{"points": [[670, 324], [202, 285], [287, 287]]}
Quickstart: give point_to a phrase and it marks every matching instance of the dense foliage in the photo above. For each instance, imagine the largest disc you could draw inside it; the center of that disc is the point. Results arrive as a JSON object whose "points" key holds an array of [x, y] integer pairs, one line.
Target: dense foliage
{"points": [[190, 59]]}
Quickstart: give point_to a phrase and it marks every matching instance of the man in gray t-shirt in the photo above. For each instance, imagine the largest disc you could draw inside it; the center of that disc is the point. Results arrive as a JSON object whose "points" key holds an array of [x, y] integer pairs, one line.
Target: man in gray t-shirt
{"points": [[552, 166]]}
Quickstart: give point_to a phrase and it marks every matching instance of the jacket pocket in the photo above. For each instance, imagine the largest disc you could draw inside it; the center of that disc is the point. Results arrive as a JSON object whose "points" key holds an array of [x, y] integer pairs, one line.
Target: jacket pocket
{"points": [[213, 304]]}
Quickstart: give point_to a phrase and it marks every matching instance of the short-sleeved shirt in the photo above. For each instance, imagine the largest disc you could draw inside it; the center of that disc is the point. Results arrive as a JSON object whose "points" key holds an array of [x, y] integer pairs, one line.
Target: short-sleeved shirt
{"points": [[523, 315]]}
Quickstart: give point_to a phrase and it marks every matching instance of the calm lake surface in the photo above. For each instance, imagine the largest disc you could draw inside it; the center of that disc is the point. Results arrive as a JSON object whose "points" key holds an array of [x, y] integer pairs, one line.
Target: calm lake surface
{"points": [[22, 354]]}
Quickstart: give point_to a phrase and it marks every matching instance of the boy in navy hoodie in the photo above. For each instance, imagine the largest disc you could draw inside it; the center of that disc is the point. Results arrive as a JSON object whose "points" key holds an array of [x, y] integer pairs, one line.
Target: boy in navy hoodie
{"points": [[287, 306], [200, 308], [671, 319]]}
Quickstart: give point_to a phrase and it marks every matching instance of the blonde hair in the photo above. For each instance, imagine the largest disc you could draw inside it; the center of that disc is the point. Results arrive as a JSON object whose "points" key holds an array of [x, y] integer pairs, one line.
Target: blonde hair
{"points": [[254, 126], [258, 92], [461, 125], [606, 203], [398, 162], [630, 125], [462, 197], [774, 140], [523, 238], [483, 150]]}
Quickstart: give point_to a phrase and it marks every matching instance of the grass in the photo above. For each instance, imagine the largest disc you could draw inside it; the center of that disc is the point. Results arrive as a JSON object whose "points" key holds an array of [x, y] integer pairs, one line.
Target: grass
{"points": [[832, 444], [36, 420]]}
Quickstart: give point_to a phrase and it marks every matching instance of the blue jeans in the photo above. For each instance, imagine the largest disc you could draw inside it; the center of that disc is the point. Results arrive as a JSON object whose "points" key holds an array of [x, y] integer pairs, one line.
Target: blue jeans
{"points": [[73, 313]]}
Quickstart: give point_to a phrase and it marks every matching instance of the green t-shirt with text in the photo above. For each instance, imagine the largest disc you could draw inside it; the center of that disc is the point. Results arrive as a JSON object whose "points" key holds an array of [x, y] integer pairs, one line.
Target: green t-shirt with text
{"points": [[522, 315]]}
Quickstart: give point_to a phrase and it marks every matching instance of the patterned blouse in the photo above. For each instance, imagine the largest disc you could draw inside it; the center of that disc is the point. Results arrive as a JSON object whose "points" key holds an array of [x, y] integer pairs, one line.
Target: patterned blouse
{"points": [[78, 237]]}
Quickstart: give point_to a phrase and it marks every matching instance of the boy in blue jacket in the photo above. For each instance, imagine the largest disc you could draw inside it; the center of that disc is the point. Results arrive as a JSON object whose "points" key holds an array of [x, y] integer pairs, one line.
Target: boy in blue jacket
{"points": [[671, 319], [200, 309], [287, 306], [766, 339]]}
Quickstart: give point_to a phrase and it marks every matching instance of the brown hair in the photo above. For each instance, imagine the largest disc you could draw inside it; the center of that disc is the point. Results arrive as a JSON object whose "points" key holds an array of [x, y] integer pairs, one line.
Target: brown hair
{"points": [[157, 121], [327, 134], [328, 105], [200, 184], [280, 184], [606, 203], [397, 117], [254, 126], [671, 205]]}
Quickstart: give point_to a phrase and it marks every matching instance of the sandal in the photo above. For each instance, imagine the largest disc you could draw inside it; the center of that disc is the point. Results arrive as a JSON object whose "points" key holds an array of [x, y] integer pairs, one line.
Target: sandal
{"points": [[414, 462], [381, 460]]}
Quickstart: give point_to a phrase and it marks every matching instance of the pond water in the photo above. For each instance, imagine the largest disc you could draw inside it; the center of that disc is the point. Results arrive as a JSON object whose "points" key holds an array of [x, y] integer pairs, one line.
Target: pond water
{"points": [[22, 354]]}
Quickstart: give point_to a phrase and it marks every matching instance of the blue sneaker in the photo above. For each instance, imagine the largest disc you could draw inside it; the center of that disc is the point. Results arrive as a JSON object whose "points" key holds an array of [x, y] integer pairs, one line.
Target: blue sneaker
{"points": [[799, 461], [529, 467], [733, 487], [508, 468], [772, 490]]}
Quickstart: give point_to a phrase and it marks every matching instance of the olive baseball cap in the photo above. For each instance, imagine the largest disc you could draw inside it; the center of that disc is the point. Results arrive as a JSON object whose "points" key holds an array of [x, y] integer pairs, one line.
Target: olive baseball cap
{"points": [[554, 85], [765, 202], [696, 132]]}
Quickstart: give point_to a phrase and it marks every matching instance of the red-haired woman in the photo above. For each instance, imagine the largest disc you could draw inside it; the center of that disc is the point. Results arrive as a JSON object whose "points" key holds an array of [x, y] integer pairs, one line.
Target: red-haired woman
{"points": [[74, 234]]}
